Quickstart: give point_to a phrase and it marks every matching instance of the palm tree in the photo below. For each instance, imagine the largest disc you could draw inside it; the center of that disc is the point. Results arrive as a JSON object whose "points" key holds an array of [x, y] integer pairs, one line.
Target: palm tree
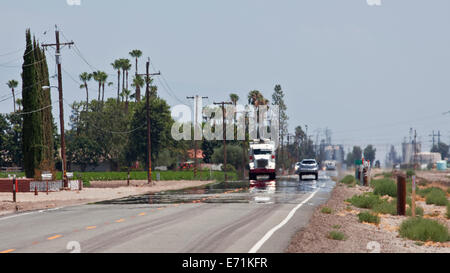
{"points": [[126, 94], [117, 66], [136, 54], [126, 66], [13, 84], [85, 77], [256, 99], [19, 103], [138, 83], [103, 79], [97, 77]]}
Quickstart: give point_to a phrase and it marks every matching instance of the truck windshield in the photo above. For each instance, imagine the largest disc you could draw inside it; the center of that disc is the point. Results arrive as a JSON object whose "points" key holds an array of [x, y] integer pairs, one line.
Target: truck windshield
{"points": [[261, 152]]}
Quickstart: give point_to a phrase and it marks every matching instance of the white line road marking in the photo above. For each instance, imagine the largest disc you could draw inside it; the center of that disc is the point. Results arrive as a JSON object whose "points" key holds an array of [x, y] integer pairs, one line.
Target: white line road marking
{"points": [[269, 234], [28, 213]]}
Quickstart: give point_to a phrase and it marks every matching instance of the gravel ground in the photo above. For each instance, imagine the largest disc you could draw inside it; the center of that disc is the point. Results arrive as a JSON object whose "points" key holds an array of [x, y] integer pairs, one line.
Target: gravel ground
{"points": [[100, 190], [361, 238]]}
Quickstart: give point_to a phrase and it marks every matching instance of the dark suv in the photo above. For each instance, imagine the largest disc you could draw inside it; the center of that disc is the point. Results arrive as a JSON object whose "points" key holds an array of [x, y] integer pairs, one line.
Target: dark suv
{"points": [[308, 167]]}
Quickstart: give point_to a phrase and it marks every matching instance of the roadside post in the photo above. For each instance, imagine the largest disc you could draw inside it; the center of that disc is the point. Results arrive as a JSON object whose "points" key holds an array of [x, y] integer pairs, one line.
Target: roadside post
{"points": [[14, 189], [413, 201], [401, 195], [128, 177], [46, 176]]}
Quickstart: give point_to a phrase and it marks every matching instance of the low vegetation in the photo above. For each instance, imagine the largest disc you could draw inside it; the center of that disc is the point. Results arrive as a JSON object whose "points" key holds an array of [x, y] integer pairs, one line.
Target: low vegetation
{"points": [[448, 211], [421, 229], [336, 235], [326, 210], [385, 207], [366, 201], [86, 177], [367, 217], [437, 197], [348, 180], [419, 211], [385, 187]]}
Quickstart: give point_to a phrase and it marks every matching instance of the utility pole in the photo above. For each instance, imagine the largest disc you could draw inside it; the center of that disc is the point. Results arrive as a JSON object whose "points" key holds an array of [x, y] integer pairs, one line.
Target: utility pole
{"points": [[196, 99], [415, 149], [224, 112], [61, 105], [147, 106]]}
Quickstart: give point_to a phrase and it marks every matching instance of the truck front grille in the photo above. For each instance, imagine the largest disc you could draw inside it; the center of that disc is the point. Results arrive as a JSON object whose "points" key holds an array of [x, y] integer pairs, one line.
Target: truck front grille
{"points": [[262, 163]]}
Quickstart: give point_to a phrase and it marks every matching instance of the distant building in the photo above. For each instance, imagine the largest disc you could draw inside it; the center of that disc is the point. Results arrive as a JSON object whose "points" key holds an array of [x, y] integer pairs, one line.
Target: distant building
{"points": [[408, 152], [427, 158]]}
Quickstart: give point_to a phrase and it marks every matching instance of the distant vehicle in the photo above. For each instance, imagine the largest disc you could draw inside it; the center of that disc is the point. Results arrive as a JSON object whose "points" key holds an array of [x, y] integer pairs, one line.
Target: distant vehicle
{"points": [[308, 167], [330, 165], [262, 159], [187, 165], [296, 167]]}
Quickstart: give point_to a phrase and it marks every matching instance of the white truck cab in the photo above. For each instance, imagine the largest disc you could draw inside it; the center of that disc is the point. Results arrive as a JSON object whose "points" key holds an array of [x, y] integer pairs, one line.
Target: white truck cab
{"points": [[262, 159]]}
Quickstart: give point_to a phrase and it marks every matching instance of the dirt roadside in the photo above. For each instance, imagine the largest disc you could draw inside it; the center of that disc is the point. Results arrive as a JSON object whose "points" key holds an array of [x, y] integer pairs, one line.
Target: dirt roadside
{"points": [[99, 191], [361, 237]]}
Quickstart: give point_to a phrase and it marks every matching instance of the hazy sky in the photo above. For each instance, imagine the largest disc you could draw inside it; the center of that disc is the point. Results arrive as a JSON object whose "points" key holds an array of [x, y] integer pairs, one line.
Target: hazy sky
{"points": [[368, 73]]}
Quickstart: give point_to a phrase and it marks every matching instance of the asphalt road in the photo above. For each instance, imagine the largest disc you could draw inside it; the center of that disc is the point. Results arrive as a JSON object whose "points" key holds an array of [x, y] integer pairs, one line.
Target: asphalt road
{"points": [[232, 217]]}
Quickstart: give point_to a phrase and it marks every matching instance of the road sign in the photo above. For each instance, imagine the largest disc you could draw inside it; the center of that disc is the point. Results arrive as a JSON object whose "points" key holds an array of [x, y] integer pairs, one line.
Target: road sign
{"points": [[46, 176]]}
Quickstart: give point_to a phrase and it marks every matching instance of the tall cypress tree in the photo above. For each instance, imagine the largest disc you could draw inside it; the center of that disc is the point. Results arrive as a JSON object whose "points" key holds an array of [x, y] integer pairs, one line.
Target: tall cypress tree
{"points": [[37, 144], [32, 131]]}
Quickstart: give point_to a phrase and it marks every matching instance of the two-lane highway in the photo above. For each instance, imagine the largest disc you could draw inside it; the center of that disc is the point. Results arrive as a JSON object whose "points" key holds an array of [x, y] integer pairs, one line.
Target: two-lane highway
{"points": [[225, 217]]}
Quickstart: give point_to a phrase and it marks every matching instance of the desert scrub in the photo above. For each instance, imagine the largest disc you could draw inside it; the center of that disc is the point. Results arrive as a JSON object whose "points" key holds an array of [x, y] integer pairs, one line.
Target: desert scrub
{"points": [[336, 235], [367, 217], [423, 192], [448, 211], [366, 200], [421, 229], [385, 187], [437, 197], [386, 207], [348, 180], [326, 210], [419, 211], [410, 173]]}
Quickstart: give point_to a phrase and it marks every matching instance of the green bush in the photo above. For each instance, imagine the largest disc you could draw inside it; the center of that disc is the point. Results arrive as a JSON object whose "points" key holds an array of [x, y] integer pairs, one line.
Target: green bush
{"points": [[336, 235], [421, 229], [387, 175], [367, 217], [385, 187], [448, 190], [423, 192], [448, 211], [419, 211], [410, 173], [436, 196], [367, 200], [348, 180], [385, 207], [326, 210]]}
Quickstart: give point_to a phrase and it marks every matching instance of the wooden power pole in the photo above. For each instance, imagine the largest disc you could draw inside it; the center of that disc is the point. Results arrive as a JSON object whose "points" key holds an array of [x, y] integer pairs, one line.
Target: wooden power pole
{"points": [[147, 106], [196, 99], [61, 105], [224, 112]]}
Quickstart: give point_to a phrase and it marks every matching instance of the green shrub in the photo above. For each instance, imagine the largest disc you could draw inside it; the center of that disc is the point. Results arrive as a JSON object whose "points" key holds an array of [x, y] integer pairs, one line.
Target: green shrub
{"points": [[348, 180], [423, 192], [421, 229], [419, 211], [385, 187], [367, 200], [436, 196], [410, 173], [326, 210], [448, 190], [367, 217], [336, 235], [448, 211], [385, 207], [387, 175]]}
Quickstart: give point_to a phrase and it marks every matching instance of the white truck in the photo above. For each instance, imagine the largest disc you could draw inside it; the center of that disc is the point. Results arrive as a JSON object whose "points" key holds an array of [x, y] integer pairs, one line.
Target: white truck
{"points": [[262, 159]]}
